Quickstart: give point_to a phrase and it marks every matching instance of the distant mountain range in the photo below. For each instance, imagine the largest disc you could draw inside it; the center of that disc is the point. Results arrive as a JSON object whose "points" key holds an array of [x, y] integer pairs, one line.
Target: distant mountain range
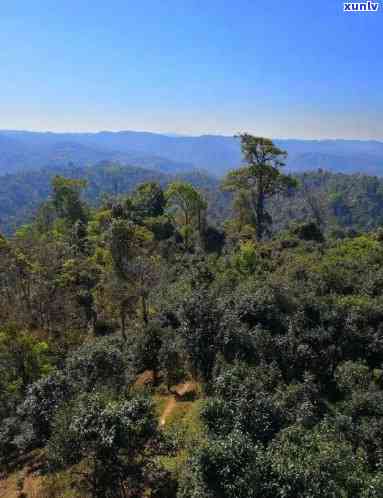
{"points": [[24, 150]]}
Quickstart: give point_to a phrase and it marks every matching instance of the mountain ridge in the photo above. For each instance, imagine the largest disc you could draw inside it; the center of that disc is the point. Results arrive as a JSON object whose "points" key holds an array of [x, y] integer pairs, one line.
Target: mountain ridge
{"points": [[30, 150]]}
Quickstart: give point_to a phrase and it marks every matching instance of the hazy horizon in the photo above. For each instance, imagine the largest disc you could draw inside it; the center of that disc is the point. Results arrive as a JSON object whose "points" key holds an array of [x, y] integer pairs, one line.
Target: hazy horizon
{"points": [[183, 135]]}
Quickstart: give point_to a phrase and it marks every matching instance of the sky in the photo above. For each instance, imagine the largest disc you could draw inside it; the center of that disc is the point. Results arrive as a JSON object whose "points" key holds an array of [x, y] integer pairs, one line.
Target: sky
{"points": [[287, 69]]}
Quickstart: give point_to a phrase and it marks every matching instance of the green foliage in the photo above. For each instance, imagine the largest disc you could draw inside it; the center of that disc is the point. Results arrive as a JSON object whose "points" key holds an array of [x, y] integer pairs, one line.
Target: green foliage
{"points": [[351, 376], [126, 239], [148, 200], [187, 207], [24, 358], [43, 399], [146, 348], [186, 199], [308, 231], [110, 436], [246, 258], [66, 199], [282, 337], [225, 468], [316, 464], [97, 365], [200, 327], [259, 180], [336, 202], [242, 404]]}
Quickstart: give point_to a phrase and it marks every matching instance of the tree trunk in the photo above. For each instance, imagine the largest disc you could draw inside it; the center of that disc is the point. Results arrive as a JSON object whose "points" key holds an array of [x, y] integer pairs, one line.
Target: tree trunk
{"points": [[260, 215], [144, 309], [123, 322]]}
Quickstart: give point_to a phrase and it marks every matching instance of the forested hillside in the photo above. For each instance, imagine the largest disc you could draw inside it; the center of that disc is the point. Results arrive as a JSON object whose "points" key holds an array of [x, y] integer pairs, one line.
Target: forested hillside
{"points": [[21, 194], [146, 352], [336, 201]]}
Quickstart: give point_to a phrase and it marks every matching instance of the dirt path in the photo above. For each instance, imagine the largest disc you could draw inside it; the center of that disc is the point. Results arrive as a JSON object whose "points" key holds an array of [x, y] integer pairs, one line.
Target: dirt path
{"points": [[169, 407], [145, 378], [25, 475], [3, 486], [31, 485], [180, 391]]}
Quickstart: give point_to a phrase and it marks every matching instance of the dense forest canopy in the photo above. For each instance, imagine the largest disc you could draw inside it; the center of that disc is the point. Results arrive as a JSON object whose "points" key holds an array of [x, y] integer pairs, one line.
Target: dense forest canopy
{"points": [[22, 194], [342, 201], [153, 344]]}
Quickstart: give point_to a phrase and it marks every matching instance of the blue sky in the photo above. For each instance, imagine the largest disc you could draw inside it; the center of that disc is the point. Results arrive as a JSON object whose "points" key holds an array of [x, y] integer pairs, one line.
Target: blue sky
{"points": [[299, 69]]}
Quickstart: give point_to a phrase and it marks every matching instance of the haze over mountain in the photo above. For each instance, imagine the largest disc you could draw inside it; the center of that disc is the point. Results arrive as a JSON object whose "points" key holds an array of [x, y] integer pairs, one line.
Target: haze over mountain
{"points": [[25, 150]]}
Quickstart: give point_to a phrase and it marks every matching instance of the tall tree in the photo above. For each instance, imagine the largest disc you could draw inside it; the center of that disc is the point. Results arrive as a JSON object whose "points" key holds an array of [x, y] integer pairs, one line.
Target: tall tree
{"points": [[134, 267], [189, 207], [148, 200], [67, 199], [260, 178]]}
